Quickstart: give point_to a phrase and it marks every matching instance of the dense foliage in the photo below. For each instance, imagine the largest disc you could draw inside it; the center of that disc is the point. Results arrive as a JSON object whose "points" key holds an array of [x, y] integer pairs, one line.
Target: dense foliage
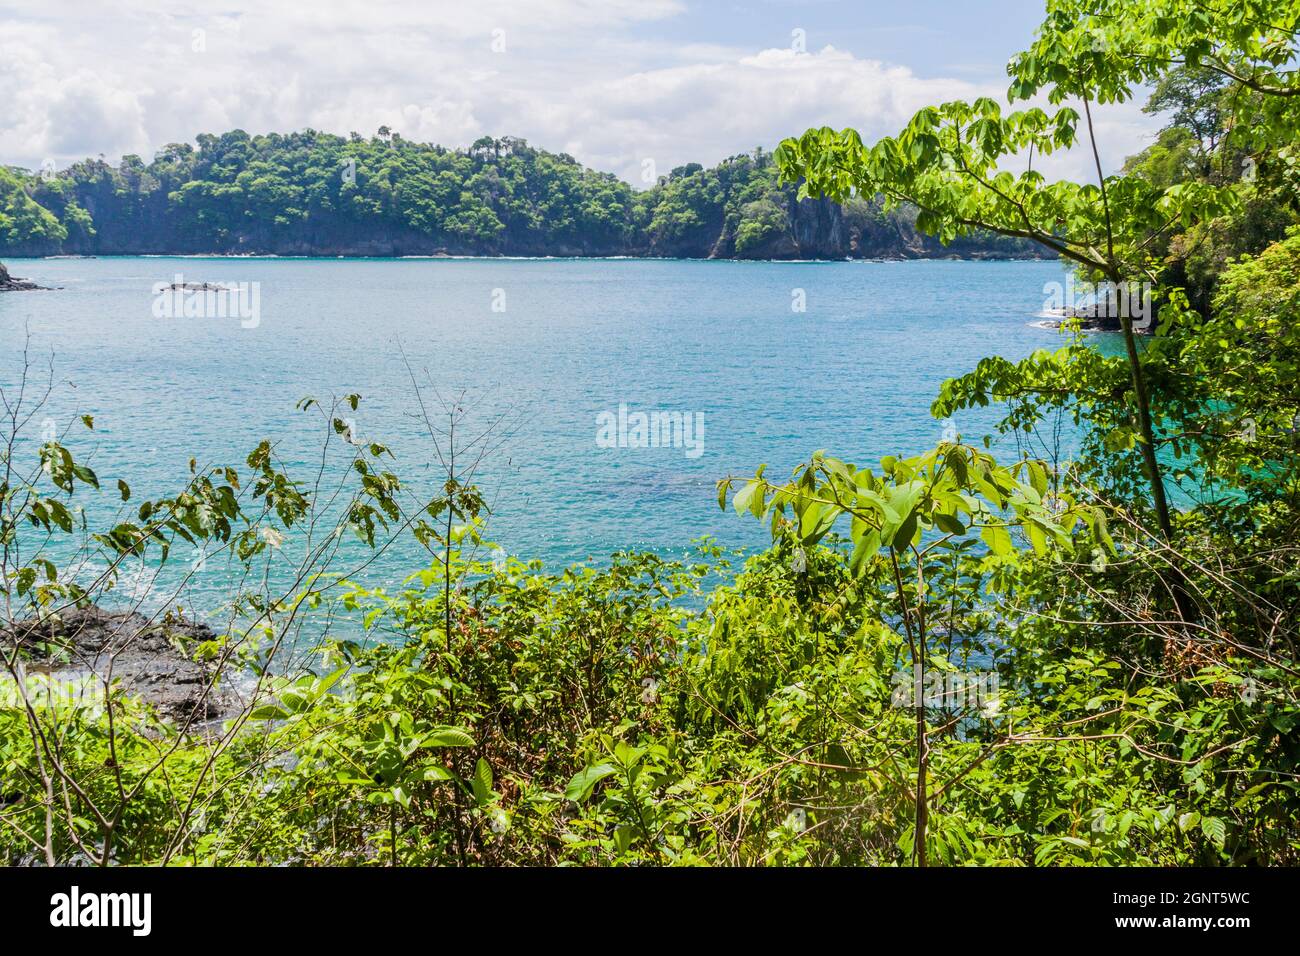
{"points": [[943, 659], [316, 193]]}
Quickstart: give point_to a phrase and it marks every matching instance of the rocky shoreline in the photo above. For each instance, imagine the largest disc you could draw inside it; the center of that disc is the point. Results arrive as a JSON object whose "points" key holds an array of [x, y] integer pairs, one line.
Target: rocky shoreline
{"points": [[147, 659], [9, 283], [1089, 320]]}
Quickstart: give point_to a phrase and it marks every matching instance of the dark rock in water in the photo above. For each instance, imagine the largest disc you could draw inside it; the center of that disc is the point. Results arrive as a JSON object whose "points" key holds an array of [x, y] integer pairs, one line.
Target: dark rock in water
{"points": [[9, 283], [149, 659], [198, 287], [1090, 319]]}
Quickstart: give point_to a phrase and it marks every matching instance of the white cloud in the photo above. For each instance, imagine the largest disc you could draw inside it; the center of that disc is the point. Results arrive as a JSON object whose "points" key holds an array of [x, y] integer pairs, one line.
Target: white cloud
{"points": [[705, 111], [590, 77]]}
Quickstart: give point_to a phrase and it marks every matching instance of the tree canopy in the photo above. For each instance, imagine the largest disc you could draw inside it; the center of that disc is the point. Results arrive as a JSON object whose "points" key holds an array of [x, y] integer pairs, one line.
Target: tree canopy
{"points": [[316, 193]]}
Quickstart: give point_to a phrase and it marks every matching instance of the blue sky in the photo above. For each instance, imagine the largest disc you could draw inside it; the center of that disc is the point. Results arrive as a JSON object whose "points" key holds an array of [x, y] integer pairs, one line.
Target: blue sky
{"points": [[935, 37], [623, 85]]}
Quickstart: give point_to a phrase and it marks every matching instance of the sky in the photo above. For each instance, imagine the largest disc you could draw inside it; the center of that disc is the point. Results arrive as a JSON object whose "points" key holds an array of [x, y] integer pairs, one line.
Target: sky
{"points": [[632, 87]]}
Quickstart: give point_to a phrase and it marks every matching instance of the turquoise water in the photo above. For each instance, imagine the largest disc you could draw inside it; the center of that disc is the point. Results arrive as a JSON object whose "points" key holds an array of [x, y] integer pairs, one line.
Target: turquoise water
{"points": [[550, 343]]}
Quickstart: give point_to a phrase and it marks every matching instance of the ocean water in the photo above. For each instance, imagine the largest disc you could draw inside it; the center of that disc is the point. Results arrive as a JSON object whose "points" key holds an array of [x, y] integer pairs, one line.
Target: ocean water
{"points": [[775, 360]]}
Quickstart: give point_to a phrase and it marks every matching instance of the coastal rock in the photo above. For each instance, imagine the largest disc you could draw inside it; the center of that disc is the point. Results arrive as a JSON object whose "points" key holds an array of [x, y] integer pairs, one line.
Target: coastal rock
{"points": [[1101, 317], [818, 228], [148, 659], [9, 283], [814, 229], [198, 287]]}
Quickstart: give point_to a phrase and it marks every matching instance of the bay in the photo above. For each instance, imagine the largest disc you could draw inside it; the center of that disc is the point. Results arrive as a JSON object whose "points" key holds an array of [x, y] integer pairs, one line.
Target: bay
{"points": [[776, 359]]}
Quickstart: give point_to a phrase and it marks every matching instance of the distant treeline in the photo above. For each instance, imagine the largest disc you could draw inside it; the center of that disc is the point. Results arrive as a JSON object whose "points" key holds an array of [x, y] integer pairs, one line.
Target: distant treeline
{"points": [[312, 193]]}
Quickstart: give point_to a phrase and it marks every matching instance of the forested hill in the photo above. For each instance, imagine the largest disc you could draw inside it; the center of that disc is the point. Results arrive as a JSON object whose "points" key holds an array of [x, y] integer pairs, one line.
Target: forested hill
{"points": [[312, 193]]}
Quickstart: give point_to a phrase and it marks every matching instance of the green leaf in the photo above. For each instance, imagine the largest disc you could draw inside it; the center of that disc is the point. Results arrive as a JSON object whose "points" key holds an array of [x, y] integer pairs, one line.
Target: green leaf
{"points": [[580, 786], [482, 781], [433, 773], [750, 498], [1036, 537], [949, 524], [26, 578], [447, 737], [906, 531], [1215, 830], [865, 548], [998, 539], [269, 712]]}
